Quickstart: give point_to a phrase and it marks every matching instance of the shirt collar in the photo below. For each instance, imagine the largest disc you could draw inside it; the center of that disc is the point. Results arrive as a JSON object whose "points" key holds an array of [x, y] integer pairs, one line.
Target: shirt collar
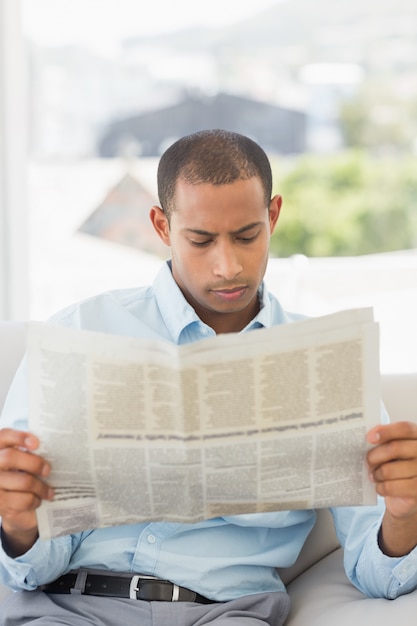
{"points": [[175, 310], [263, 319]]}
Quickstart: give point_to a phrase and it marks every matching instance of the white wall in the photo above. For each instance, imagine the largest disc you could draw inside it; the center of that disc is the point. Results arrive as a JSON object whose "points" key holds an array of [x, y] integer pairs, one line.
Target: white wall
{"points": [[13, 162]]}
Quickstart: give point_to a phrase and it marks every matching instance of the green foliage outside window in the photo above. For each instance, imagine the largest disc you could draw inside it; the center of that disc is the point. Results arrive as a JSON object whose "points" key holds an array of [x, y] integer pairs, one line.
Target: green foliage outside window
{"points": [[345, 205]]}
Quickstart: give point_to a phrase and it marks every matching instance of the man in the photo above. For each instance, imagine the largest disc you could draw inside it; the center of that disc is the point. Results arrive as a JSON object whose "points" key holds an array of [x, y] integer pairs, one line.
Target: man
{"points": [[217, 216]]}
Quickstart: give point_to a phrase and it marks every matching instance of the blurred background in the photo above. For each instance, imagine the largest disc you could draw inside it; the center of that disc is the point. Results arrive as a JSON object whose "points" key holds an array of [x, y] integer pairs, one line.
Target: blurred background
{"points": [[93, 91]]}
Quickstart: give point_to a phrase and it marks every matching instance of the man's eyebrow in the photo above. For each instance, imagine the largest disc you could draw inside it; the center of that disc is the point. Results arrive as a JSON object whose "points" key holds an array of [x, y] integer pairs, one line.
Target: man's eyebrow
{"points": [[239, 231]]}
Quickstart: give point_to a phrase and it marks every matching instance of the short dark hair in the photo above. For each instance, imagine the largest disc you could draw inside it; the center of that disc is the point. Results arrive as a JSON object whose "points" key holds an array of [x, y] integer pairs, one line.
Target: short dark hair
{"points": [[218, 157]]}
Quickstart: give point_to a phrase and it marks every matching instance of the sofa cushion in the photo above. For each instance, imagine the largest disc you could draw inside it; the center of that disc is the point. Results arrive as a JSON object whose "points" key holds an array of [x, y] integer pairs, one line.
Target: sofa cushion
{"points": [[323, 596], [321, 541]]}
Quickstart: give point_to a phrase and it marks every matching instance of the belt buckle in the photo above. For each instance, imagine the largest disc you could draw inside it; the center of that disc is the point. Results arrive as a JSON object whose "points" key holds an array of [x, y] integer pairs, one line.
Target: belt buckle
{"points": [[135, 587]]}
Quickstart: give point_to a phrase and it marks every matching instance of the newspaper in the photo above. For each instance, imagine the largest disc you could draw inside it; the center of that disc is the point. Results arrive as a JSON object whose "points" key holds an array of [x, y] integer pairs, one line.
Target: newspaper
{"points": [[140, 429]]}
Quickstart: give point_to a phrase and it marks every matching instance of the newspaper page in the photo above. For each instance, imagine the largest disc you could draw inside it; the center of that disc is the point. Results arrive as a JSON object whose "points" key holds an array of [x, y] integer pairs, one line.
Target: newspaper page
{"points": [[139, 430]]}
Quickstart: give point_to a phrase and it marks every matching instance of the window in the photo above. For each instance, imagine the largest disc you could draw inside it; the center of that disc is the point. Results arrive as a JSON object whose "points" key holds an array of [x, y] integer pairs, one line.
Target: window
{"points": [[13, 216], [109, 87]]}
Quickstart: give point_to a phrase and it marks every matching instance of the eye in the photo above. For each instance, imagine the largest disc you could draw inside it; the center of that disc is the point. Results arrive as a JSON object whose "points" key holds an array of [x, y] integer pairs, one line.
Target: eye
{"points": [[248, 239], [200, 244]]}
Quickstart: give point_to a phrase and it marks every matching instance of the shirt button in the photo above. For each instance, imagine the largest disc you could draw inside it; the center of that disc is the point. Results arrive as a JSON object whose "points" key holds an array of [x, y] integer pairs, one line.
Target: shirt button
{"points": [[151, 538]]}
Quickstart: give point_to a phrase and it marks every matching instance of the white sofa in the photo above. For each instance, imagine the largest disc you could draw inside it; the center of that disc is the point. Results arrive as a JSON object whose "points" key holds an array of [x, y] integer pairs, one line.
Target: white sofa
{"points": [[320, 593]]}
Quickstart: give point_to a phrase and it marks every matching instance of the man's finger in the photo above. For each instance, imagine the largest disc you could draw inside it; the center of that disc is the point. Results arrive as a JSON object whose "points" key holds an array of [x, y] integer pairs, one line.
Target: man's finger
{"points": [[16, 459], [388, 432], [18, 438], [22, 482]]}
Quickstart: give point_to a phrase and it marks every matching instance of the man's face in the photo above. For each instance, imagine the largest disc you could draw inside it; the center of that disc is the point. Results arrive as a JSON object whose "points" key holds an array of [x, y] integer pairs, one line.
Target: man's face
{"points": [[219, 237]]}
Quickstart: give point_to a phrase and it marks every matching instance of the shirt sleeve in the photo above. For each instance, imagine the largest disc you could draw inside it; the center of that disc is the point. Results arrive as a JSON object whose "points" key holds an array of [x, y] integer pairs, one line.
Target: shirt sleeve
{"points": [[44, 562], [367, 567], [15, 409]]}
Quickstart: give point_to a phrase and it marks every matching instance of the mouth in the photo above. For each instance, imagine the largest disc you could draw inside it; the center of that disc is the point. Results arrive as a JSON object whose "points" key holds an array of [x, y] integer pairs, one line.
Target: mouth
{"points": [[230, 295]]}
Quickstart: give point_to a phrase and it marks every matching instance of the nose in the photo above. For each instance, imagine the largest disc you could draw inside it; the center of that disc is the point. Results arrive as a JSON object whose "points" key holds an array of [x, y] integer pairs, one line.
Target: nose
{"points": [[227, 263]]}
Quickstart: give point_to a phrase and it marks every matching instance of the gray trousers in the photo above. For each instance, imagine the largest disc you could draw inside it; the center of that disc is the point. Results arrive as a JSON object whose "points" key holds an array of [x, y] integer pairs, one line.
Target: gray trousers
{"points": [[41, 609]]}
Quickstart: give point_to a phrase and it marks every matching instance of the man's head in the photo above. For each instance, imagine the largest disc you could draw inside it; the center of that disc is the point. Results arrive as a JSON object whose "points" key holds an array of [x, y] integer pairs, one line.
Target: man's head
{"points": [[217, 157], [217, 216]]}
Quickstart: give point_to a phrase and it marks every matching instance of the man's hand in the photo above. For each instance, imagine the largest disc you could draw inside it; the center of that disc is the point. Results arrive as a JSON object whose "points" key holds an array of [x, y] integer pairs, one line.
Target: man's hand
{"points": [[393, 467], [22, 489]]}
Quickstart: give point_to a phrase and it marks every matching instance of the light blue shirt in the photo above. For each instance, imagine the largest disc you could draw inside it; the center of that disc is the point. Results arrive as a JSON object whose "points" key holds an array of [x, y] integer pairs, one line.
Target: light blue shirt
{"points": [[221, 558]]}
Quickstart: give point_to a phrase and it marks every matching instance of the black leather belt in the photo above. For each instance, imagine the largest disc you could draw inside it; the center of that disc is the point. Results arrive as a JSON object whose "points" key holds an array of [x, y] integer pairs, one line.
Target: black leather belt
{"points": [[136, 586]]}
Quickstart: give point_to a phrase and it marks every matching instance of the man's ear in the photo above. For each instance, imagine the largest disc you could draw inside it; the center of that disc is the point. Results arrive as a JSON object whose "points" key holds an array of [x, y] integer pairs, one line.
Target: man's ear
{"points": [[274, 211], [160, 223]]}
